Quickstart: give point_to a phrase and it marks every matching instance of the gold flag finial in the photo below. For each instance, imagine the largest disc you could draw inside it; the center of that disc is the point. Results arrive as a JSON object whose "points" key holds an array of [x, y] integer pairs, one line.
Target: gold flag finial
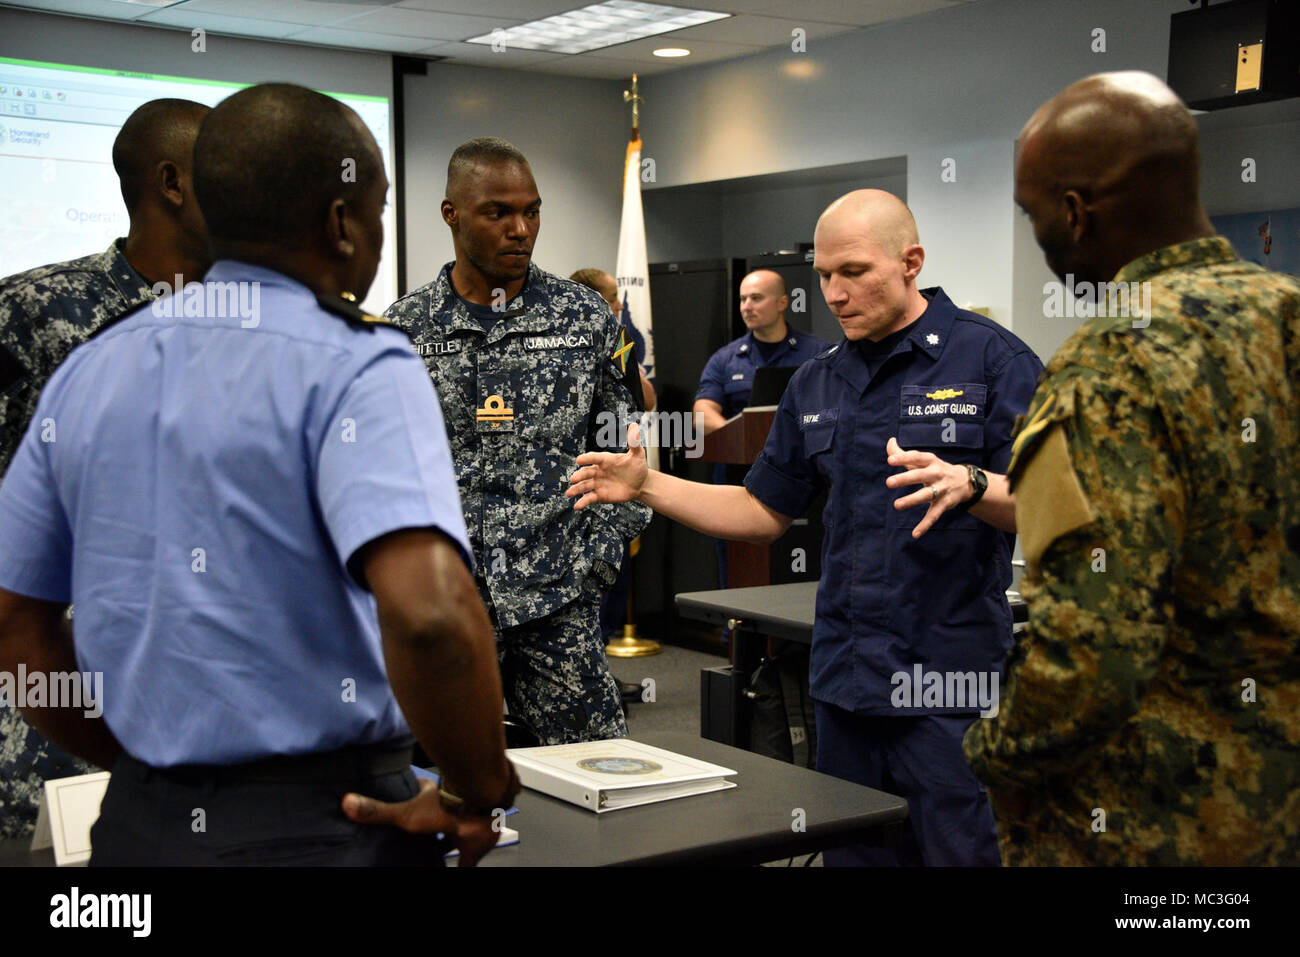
{"points": [[631, 96]]}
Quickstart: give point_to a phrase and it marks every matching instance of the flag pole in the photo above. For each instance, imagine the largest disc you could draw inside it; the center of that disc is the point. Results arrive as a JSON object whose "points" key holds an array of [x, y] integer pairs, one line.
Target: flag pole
{"points": [[632, 645]]}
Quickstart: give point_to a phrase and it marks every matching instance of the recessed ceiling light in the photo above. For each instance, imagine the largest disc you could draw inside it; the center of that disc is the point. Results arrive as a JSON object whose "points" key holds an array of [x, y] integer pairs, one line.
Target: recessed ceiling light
{"points": [[597, 26], [672, 51]]}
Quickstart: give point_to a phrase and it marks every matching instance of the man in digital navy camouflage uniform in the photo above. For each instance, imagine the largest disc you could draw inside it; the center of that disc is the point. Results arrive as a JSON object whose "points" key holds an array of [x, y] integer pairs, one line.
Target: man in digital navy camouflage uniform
{"points": [[46, 312], [532, 370]]}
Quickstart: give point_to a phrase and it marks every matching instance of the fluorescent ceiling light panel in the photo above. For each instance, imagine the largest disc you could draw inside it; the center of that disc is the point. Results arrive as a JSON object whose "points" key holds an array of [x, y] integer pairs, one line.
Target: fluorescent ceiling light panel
{"points": [[600, 25]]}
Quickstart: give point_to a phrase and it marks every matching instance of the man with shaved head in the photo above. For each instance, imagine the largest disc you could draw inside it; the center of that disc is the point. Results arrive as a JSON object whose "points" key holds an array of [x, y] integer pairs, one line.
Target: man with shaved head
{"points": [[729, 374], [1152, 714], [251, 501], [532, 370], [912, 622], [47, 311]]}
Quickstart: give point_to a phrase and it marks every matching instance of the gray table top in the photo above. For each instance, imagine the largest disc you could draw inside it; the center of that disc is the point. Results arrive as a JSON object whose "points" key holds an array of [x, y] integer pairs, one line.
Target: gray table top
{"points": [[782, 611], [748, 824], [785, 611], [744, 825]]}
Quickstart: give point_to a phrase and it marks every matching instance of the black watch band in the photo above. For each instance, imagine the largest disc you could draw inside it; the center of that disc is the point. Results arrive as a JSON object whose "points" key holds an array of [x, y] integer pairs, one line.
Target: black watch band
{"points": [[979, 482]]}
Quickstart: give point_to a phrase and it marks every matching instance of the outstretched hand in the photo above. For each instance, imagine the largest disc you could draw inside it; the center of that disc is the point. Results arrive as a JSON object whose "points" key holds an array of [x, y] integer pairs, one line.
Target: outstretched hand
{"points": [[424, 814], [610, 476], [945, 485]]}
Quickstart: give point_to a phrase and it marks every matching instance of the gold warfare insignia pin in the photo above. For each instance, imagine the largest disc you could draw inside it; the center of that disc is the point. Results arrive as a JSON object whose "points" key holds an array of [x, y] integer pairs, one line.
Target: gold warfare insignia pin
{"points": [[495, 413], [945, 394], [624, 347]]}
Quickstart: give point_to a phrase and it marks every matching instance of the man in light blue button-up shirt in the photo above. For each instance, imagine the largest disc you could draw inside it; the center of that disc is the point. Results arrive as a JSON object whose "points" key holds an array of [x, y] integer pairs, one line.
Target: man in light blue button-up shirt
{"points": [[229, 482]]}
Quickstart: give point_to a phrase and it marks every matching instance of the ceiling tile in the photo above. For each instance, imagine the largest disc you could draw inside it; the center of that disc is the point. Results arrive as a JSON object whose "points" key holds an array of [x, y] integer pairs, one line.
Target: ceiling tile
{"points": [[758, 31], [423, 23], [236, 26], [360, 40], [480, 55], [702, 51], [860, 13], [734, 6], [305, 12], [110, 9], [518, 10]]}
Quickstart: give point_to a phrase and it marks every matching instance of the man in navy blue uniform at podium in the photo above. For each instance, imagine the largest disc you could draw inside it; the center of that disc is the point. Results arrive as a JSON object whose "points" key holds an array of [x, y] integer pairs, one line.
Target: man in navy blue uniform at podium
{"points": [[728, 376], [915, 383], [229, 483]]}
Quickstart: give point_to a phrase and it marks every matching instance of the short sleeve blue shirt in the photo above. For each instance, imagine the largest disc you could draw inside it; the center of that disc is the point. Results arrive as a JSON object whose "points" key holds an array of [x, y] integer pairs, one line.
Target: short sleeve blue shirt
{"points": [[197, 479], [886, 602], [728, 376]]}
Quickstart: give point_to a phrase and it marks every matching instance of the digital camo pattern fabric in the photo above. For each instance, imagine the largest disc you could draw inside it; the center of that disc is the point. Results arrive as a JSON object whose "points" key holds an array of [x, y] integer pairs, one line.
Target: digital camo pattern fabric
{"points": [[556, 678], [47, 312], [27, 761], [1152, 709], [520, 404]]}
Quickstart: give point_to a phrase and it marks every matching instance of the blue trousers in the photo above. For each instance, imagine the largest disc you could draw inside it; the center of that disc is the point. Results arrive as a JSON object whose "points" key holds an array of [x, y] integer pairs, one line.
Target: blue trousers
{"points": [[920, 759], [207, 816]]}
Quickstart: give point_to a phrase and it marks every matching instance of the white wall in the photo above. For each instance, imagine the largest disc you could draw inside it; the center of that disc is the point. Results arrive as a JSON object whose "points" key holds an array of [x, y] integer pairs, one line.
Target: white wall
{"points": [[574, 132]]}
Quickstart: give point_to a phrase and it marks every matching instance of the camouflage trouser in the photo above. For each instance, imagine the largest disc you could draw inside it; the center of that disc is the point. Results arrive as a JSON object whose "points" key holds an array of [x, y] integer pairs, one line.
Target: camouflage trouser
{"points": [[27, 761], [555, 675]]}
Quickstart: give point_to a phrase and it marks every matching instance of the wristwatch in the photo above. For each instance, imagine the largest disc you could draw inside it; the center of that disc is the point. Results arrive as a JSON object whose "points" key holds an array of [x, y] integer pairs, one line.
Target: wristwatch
{"points": [[457, 806], [979, 482]]}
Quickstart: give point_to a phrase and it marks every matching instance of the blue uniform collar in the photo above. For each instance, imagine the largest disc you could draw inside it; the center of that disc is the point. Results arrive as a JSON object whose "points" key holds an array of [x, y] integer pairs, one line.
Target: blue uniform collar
{"points": [[929, 335], [930, 332], [749, 344], [233, 270]]}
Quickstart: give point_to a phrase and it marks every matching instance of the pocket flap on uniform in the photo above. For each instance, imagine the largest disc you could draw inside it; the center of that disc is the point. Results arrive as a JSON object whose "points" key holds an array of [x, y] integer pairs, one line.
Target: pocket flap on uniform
{"points": [[818, 436]]}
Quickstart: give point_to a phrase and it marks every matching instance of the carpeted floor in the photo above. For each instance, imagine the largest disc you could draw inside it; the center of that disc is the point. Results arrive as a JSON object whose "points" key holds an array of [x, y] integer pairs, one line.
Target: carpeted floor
{"points": [[672, 679]]}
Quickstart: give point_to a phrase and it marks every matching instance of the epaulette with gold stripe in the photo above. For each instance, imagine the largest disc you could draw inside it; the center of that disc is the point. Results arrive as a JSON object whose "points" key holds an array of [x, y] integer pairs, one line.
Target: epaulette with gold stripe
{"points": [[354, 315]]}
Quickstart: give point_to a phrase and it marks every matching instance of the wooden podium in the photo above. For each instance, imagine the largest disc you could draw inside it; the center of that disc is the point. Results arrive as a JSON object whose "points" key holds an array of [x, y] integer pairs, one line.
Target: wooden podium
{"points": [[738, 443]]}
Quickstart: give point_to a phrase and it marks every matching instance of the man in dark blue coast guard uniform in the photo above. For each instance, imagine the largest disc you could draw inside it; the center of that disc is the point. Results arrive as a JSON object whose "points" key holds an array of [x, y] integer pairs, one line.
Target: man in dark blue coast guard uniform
{"points": [[911, 604]]}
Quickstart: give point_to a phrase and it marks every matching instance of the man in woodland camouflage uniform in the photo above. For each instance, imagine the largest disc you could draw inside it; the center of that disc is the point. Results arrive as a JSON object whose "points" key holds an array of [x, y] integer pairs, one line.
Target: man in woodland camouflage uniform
{"points": [[1152, 711], [531, 370], [46, 312]]}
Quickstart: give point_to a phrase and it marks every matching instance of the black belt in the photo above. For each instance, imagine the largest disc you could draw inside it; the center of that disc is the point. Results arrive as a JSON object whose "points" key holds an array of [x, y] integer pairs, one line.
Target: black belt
{"points": [[326, 767]]}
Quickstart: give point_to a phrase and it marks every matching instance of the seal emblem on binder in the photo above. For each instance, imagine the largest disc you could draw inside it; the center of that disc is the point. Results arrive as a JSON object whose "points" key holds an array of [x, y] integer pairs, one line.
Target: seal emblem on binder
{"points": [[619, 765]]}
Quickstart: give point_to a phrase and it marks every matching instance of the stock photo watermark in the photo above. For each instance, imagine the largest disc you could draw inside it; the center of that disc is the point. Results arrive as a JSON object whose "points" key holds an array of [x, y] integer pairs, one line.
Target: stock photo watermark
{"points": [[53, 689], [209, 300]]}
